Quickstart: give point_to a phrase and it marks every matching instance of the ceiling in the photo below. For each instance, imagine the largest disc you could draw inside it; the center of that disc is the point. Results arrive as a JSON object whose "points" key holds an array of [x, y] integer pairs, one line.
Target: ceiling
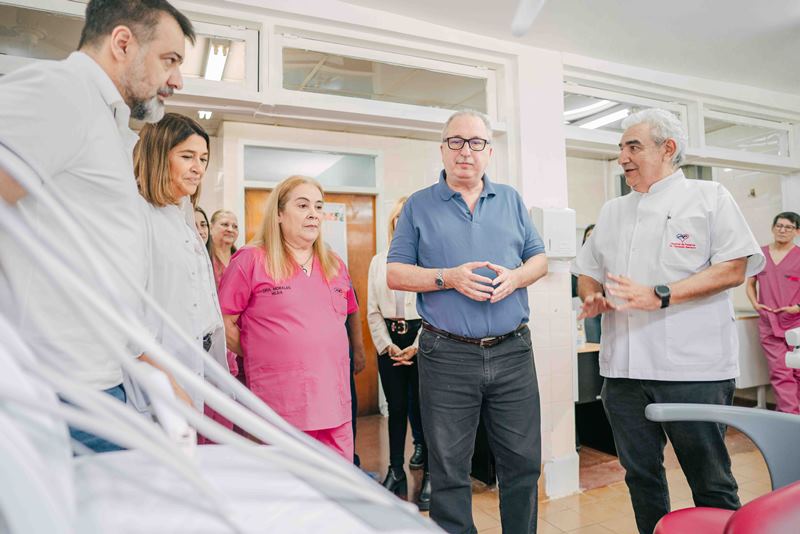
{"points": [[739, 41]]}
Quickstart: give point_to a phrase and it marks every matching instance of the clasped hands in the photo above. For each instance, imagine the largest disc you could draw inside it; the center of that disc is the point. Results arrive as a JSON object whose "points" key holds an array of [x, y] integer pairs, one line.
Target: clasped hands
{"points": [[783, 309], [401, 356], [481, 288], [633, 296]]}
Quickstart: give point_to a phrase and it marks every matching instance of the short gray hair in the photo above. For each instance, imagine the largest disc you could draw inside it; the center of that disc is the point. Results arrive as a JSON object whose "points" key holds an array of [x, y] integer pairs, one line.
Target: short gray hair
{"points": [[469, 113], [663, 125]]}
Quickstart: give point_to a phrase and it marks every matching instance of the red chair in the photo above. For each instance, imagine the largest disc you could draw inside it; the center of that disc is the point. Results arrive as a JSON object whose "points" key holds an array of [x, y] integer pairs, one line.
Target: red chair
{"points": [[777, 435], [777, 512]]}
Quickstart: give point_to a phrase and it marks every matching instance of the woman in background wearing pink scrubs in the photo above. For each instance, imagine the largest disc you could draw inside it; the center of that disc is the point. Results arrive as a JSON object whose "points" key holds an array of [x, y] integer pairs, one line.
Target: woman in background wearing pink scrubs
{"points": [[775, 294], [285, 299]]}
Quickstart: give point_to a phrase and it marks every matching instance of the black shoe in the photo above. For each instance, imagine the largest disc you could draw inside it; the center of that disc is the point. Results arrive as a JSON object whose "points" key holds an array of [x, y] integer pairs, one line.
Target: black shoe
{"points": [[416, 459], [396, 483], [424, 502]]}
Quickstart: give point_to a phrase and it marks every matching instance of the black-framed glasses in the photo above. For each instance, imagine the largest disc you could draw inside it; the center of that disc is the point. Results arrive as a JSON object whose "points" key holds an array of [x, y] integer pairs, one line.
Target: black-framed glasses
{"points": [[476, 144], [785, 227]]}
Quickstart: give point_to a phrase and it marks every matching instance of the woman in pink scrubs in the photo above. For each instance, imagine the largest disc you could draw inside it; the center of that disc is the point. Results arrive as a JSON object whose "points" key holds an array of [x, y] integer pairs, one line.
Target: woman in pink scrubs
{"points": [[775, 294], [285, 299]]}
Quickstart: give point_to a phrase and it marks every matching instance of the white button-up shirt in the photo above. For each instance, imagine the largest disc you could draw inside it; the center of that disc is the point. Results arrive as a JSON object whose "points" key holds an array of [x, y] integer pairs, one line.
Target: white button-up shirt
{"points": [[182, 282], [679, 228], [68, 120], [382, 304]]}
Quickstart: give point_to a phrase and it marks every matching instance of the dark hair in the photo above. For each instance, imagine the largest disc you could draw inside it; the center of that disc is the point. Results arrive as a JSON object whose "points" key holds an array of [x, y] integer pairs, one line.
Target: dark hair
{"points": [[586, 232], [141, 16], [151, 156], [202, 212], [789, 216]]}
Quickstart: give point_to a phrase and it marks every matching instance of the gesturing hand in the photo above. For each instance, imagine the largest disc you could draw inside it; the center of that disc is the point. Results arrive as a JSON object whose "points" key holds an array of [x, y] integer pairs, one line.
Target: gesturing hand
{"points": [[594, 305], [505, 283], [636, 296], [788, 309], [469, 284]]}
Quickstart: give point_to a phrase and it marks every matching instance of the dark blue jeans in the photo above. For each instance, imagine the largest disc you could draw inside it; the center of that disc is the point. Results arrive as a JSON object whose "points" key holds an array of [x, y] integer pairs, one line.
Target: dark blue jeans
{"points": [[96, 443], [459, 383], [700, 447]]}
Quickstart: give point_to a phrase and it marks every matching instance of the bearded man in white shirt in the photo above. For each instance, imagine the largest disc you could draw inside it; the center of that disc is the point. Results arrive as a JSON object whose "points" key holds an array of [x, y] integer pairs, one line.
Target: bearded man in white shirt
{"points": [[69, 121], [658, 266]]}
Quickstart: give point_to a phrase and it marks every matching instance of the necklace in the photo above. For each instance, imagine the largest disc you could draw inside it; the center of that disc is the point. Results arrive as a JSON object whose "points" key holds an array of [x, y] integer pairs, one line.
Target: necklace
{"points": [[303, 265]]}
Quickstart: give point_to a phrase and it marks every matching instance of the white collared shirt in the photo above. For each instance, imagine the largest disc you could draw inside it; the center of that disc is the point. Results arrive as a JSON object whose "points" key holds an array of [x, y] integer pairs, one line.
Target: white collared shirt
{"points": [[182, 282], [381, 303], [68, 120], [679, 228]]}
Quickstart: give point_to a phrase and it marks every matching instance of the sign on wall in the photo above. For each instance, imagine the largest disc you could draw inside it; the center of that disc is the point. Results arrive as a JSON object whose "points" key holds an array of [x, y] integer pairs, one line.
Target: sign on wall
{"points": [[334, 228]]}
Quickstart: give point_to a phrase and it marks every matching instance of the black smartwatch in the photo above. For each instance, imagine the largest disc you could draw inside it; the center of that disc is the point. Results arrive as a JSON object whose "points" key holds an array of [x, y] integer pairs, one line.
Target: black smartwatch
{"points": [[663, 293], [440, 278]]}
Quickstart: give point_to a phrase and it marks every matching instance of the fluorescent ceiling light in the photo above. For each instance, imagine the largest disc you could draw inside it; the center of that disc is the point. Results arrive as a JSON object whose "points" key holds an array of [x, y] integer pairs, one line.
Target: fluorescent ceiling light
{"points": [[606, 119], [215, 62], [595, 106], [204, 115]]}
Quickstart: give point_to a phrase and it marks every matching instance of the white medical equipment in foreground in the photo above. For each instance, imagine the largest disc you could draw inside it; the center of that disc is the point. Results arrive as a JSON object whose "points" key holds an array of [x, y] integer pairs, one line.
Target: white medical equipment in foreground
{"points": [[292, 485]]}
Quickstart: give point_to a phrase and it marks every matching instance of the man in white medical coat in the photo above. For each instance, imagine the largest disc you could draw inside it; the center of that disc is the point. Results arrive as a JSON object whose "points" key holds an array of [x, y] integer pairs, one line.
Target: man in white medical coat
{"points": [[658, 266]]}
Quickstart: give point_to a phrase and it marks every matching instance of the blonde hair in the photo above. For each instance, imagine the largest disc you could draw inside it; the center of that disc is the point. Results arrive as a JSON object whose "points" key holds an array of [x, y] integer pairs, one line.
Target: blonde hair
{"points": [[151, 157], [279, 260], [394, 215], [214, 218]]}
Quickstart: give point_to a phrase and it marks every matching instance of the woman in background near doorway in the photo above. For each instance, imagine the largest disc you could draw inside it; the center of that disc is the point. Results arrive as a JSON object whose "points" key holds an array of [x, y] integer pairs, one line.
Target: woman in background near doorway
{"points": [[394, 325], [285, 299], [224, 231], [201, 221], [775, 294]]}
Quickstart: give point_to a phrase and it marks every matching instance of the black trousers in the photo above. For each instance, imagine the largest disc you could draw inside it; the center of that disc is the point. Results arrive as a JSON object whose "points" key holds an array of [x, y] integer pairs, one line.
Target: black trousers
{"points": [[459, 383], [401, 385], [700, 447]]}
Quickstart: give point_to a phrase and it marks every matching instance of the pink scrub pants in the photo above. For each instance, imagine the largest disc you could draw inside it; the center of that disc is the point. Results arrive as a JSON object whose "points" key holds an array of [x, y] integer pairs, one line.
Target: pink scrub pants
{"points": [[785, 381], [339, 438]]}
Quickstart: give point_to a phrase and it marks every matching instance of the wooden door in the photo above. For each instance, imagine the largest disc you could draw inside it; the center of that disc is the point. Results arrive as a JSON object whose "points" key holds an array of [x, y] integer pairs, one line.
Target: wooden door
{"points": [[360, 250]]}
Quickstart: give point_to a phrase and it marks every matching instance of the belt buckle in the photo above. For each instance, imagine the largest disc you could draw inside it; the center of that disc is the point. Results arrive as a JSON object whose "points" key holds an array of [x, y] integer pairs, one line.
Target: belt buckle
{"points": [[400, 327], [487, 341]]}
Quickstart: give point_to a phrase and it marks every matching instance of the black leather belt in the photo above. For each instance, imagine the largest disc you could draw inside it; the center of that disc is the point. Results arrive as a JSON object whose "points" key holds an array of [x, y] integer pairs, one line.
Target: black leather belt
{"points": [[402, 326], [483, 342]]}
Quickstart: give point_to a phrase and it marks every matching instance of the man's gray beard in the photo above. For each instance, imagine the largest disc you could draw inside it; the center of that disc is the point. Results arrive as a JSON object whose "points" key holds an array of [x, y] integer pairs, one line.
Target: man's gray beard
{"points": [[151, 110]]}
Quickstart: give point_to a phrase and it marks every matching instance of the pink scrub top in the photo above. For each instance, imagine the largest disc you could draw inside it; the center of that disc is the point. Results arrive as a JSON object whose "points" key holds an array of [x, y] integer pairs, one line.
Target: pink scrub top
{"points": [[779, 286], [293, 337]]}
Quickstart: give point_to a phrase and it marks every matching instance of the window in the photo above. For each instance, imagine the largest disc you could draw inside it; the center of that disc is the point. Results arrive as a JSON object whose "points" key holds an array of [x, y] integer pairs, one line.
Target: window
{"points": [[738, 132], [386, 79]]}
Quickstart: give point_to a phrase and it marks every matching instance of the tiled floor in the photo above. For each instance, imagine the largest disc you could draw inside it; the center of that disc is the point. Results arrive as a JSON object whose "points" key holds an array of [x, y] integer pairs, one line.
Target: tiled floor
{"points": [[603, 507]]}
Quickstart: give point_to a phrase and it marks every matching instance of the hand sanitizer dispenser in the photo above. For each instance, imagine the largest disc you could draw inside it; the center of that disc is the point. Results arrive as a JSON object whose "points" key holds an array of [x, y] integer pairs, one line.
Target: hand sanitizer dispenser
{"points": [[557, 228]]}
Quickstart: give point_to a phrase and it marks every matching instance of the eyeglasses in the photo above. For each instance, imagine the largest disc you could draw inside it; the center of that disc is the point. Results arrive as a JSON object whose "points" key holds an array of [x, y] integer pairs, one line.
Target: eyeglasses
{"points": [[784, 227], [476, 144]]}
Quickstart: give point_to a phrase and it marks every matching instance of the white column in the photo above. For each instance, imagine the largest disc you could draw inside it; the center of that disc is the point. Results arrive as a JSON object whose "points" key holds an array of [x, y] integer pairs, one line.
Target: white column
{"points": [[542, 179]]}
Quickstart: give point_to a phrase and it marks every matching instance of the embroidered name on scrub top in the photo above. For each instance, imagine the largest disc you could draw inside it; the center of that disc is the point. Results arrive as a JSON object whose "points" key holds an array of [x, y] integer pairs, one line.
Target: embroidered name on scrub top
{"points": [[682, 242], [275, 290]]}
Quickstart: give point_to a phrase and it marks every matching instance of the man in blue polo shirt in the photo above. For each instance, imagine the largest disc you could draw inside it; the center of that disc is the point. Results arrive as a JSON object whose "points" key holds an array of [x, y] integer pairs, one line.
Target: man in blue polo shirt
{"points": [[469, 249]]}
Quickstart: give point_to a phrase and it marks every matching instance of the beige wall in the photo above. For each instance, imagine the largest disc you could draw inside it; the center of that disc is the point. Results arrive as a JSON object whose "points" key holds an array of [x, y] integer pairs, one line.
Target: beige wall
{"points": [[760, 198]]}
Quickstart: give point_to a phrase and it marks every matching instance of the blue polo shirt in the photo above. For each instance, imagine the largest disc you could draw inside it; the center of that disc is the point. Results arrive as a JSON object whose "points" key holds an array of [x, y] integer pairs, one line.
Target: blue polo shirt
{"points": [[437, 230]]}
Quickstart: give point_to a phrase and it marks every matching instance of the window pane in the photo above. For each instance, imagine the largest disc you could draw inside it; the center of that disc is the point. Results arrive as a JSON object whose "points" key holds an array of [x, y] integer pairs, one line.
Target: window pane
{"points": [[317, 72], [37, 34], [749, 138], [266, 164], [593, 113]]}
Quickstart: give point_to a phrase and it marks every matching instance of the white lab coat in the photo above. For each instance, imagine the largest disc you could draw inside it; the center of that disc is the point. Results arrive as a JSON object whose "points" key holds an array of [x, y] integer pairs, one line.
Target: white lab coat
{"points": [[679, 228]]}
